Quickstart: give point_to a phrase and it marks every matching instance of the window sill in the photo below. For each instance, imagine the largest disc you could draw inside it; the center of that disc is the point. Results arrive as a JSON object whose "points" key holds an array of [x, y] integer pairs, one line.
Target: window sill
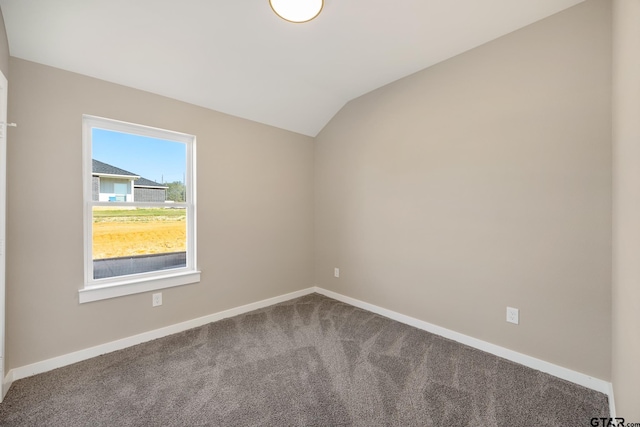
{"points": [[136, 286]]}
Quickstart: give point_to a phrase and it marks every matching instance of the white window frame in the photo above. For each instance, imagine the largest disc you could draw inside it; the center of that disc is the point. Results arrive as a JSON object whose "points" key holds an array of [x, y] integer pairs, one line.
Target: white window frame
{"points": [[112, 287]]}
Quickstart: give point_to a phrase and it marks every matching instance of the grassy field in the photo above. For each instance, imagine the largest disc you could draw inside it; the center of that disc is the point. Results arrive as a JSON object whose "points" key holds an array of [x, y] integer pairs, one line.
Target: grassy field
{"points": [[121, 232]]}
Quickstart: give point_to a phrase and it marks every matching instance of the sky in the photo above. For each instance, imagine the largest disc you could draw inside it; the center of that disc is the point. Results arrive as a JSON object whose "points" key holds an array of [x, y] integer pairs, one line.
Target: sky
{"points": [[156, 159]]}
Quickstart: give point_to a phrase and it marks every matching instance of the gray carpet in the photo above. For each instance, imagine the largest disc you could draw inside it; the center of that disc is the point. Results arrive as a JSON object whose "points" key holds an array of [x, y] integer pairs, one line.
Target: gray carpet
{"points": [[312, 361]]}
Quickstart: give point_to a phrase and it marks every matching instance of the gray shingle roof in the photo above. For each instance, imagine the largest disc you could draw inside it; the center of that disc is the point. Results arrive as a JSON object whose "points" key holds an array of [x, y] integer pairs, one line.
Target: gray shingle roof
{"points": [[103, 168], [144, 182]]}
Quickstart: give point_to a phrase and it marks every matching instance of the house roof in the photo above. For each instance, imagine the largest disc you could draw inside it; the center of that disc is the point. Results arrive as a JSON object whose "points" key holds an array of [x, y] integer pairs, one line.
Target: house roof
{"points": [[100, 168], [144, 182]]}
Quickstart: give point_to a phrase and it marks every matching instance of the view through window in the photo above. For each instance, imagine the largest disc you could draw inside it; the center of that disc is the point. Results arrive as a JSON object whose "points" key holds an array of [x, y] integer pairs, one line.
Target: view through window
{"points": [[140, 204]]}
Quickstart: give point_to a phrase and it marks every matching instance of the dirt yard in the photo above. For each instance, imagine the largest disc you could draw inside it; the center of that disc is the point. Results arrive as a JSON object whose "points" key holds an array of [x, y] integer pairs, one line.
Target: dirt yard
{"points": [[120, 235]]}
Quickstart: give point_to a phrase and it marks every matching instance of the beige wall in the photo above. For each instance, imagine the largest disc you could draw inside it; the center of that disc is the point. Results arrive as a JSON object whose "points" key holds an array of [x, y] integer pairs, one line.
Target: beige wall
{"points": [[4, 48], [626, 208], [255, 231], [480, 183]]}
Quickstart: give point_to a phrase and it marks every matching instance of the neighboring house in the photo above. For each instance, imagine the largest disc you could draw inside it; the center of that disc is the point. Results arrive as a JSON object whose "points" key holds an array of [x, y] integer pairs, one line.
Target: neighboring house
{"points": [[112, 184], [145, 190]]}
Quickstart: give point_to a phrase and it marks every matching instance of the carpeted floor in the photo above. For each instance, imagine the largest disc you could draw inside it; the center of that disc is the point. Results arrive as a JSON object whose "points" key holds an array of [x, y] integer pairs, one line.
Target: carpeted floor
{"points": [[312, 361]]}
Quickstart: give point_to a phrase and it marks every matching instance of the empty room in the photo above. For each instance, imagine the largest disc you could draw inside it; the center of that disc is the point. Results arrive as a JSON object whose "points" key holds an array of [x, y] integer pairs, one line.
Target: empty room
{"points": [[320, 212]]}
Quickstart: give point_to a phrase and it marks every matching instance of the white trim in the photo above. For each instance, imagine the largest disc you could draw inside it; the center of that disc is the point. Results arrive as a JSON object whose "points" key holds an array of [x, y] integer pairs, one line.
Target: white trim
{"points": [[142, 130], [3, 219], [531, 362], [80, 355], [612, 402], [135, 286]]}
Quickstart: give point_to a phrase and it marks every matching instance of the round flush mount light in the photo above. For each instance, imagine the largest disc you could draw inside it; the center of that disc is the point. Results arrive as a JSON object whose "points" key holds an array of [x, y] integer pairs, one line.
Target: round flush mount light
{"points": [[297, 10]]}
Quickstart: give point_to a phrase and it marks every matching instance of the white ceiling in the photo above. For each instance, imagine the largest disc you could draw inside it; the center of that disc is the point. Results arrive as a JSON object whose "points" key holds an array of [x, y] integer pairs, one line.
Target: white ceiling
{"points": [[238, 57]]}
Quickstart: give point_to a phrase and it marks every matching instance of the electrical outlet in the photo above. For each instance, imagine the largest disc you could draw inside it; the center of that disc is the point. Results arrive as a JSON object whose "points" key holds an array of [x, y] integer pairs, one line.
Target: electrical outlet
{"points": [[156, 299], [513, 315], [336, 272]]}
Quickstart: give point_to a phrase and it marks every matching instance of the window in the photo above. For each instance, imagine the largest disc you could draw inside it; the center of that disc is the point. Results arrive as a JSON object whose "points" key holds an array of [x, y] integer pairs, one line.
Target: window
{"points": [[139, 208]]}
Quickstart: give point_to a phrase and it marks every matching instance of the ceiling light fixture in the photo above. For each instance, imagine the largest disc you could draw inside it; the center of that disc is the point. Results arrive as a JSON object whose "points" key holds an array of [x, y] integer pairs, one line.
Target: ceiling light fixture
{"points": [[297, 10]]}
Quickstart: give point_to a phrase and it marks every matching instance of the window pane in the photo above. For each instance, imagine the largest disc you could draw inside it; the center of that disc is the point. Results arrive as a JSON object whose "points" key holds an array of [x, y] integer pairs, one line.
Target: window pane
{"points": [[121, 188], [139, 194], [131, 167], [106, 185], [138, 240]]}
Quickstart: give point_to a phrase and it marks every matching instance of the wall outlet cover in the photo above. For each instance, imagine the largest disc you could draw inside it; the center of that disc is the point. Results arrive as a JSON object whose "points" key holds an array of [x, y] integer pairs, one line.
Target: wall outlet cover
{"points": [[156, 299]]}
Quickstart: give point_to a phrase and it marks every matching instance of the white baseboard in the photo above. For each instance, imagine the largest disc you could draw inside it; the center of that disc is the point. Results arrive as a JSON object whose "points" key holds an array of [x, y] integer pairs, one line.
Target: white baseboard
{"points": [[531, 362], [80, 355], [612, 402]]}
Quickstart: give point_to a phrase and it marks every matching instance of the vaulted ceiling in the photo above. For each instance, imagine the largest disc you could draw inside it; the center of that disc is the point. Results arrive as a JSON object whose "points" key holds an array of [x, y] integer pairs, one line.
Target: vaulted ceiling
{"points": [[238, 57]]}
